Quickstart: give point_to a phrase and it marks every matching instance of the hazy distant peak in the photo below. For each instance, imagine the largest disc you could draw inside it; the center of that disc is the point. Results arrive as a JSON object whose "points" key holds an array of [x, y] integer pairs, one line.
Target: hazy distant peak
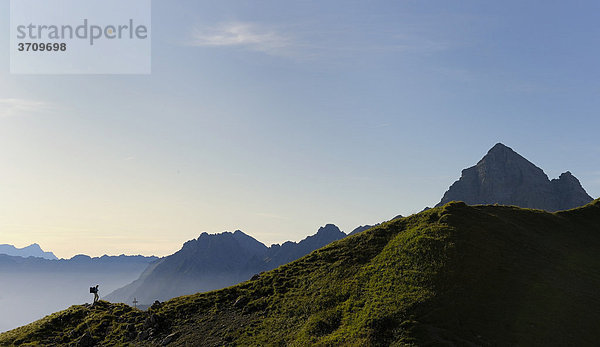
{"points": [[33, 250]]}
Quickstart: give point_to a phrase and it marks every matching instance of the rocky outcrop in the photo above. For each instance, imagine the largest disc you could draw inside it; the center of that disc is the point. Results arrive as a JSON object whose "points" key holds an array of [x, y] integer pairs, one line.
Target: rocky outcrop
{"points": [[505, 177], [571, 193]]}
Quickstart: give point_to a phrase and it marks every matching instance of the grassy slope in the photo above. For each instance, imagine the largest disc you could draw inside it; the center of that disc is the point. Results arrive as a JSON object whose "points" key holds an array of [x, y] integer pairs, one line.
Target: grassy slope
{"points": [[454, 274]]}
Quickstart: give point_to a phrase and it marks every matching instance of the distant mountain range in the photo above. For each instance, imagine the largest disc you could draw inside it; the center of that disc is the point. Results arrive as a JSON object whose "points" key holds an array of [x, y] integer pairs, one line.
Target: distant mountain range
{"points": [[78, 263], [504, 177], [33, 250], [215, 261]]}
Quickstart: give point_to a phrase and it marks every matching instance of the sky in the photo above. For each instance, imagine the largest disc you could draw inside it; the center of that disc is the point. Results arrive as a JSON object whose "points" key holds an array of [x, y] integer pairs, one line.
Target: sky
{"points": [[276, 118]]}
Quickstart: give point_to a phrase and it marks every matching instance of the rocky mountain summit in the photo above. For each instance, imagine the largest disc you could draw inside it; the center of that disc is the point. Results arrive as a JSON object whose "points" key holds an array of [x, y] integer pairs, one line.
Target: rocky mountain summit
{"points": [[505, 177]]}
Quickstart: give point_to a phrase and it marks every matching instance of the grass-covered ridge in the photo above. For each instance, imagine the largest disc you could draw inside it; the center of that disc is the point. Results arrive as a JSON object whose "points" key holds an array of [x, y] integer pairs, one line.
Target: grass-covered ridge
{"points": [[482, 275]]}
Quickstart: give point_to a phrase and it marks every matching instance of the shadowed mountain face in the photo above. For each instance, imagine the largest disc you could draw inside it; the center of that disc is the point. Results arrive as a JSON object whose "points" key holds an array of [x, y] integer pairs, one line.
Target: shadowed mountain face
{"points": [[33, 250], [216, 261], [504, 177], [455, 275]]}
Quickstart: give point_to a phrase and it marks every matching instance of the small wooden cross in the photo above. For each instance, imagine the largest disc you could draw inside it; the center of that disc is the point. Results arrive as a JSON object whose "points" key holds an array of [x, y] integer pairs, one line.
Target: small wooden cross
{"points": [[135, 302]]}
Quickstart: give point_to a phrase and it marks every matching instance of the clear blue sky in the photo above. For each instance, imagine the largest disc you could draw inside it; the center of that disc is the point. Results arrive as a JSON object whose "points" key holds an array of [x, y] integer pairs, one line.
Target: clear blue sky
{"points": [[277, 117]]}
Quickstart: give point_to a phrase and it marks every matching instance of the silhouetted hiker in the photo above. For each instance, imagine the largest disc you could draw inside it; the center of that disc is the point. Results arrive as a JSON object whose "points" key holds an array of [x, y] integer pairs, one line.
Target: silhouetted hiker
{"points": [[95, 291]]}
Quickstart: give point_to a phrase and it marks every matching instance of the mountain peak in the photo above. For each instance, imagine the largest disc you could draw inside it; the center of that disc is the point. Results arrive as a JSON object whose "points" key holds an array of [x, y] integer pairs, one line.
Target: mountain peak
{"points": [[33, 250], [329, 229], [503, 153], [500, 147], [34, 246], [505, 177]]}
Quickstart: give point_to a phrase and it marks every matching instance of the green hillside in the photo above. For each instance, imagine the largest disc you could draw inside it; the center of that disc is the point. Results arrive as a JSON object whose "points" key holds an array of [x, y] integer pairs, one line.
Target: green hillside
{"points": [[455, 275]]}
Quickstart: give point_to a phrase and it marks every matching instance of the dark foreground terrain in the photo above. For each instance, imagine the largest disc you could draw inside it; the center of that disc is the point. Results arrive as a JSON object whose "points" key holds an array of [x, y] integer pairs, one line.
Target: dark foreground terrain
{"points": [[454, 275]]}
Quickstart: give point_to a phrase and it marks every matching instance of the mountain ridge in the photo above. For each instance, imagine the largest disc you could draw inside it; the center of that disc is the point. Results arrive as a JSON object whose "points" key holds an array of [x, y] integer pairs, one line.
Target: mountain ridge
{"points": [[454, 275], [215, 261]]}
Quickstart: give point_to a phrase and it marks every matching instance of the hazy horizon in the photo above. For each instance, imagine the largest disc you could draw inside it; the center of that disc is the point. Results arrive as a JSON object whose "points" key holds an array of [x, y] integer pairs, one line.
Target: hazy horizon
{"points": [[278, 118]]}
